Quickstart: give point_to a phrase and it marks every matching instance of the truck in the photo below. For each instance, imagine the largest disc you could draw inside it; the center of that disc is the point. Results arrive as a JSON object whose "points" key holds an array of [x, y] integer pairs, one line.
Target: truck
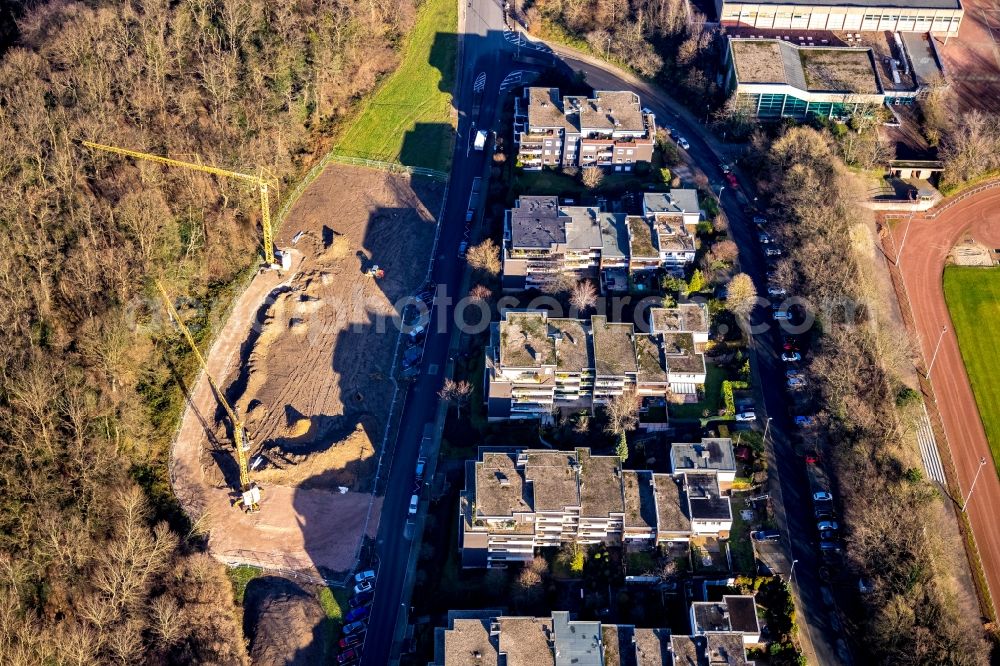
{"points": [[480, 142]]}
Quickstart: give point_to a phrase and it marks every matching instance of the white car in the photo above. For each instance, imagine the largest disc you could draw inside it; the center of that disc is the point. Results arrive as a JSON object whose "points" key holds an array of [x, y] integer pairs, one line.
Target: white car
{"points": [[364, 575], [682, 142], [822, 496], [364, 586], [796, 382], [746, 416], [776, 291], [827, 525], [791, 357], [414, 501], [765, 237], [772, 252], [804, 421], [781, 314], [793, 372]]}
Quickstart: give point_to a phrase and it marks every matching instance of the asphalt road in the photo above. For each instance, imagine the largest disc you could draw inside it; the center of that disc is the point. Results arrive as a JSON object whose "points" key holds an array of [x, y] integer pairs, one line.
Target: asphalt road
{"points": [[484, 51]]}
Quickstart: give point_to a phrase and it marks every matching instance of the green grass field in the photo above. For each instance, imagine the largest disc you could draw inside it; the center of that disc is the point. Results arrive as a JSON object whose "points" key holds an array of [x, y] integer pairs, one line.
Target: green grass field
{"points": [[408, 118], [973, 296]]}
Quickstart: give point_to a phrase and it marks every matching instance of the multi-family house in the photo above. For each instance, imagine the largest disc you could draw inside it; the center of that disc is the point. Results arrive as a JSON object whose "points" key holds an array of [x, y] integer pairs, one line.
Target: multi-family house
{"points": [[516, 500], [488, 638], [535, 364], [735, 613], [543, 240], [659, 242], [711, 454], [609, 129], [684, 318], [677, 205]]}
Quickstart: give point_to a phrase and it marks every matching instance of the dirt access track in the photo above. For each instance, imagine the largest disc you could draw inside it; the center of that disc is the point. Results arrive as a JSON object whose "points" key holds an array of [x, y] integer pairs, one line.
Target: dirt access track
{"points": [[928, 243], [305, 357]]}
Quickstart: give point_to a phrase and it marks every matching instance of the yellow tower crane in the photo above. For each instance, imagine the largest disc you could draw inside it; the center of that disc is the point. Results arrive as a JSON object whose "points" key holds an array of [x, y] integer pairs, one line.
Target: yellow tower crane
{"points": [[261, 183], [249, 491]]}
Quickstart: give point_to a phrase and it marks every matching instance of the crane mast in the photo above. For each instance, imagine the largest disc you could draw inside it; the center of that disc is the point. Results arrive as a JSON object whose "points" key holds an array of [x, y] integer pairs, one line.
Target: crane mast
{"points": [[259, 181], [250, 492]]}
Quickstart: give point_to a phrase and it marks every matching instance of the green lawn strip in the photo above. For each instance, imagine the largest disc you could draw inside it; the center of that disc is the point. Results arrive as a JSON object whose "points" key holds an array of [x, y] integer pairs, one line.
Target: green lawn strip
{"points": [[714, 376], [740, 547], [409, 119], [241, 577], [334, 603], [973, 297]]}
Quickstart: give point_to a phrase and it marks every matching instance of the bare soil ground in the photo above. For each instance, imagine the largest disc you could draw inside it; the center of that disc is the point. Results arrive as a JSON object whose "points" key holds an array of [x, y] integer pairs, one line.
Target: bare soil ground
{"points": [[972, 60], [285, 624], [306, 358]]}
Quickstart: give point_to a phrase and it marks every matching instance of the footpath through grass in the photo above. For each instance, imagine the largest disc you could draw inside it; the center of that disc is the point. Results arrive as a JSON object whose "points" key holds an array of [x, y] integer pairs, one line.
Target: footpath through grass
{"points": [[973, 297], [408, 119]]}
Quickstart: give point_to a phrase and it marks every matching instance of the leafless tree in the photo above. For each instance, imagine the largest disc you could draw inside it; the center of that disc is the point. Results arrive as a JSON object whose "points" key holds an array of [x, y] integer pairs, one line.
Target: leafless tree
{"points": [[481, 292], [456, 393], [485, 257], [583, 296], [592, 177], [741, 295], [622, 412]]}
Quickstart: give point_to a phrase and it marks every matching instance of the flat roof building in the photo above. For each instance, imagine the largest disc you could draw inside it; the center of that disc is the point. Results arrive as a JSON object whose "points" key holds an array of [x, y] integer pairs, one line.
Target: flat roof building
{"points": [[735, 613], [939, 17]]}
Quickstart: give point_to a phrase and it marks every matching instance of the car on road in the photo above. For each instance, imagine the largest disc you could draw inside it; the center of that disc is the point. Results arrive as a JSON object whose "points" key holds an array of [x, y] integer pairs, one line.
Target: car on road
{"points": [[359, 613], [791, 357], [348, 656], [827, 525], [414, 502], [804, 421], [364, 586], [353, 627], [353, 639], [795, 382], [766, 535], [822, 496], [781, 314], [362, 599], [772, 251], [746, 416], [364, 575], [776, 291], [682, 142]]}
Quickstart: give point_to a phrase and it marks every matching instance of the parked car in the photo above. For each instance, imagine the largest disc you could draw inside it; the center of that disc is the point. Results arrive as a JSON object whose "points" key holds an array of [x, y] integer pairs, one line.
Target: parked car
{"points": [[414, 502], [672, 131], [776, 291], [811, 459], [364, 586], [765, 237], [766, 535], [462, 249], [823, 511], [796, 382], [827, 525], [781, 314], [364, 575], [419, 472], [804, 421], [746, 416], [772, 251], [726, 169], [353, 639], [790, 344], [355, 614], [682, 142], [791, 357], [361, 599], [829, 546], [827, 535], [348, 656], [731, 179], [822, 496], [793, 372], [353, 627], [759, 220]]}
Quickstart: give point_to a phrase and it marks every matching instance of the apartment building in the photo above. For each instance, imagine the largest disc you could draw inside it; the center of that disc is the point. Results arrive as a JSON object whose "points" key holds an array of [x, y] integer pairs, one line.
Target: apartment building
{"points": [[487, 638], [711, 454], [535, 364], [516, 500], [659, 242], [543, 240], [689, 318], [608, 130], [939, 17], [679, 206], [735, 613]]}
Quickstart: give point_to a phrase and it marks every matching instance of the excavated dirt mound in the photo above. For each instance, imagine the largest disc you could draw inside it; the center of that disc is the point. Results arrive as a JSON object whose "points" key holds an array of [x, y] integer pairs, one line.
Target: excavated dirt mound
{"points": [[285, 623], [305, 357]]}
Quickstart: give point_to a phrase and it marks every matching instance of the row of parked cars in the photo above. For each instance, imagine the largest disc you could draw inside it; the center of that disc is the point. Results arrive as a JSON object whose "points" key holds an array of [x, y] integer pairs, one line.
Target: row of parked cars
{"points": [[356, 619]]}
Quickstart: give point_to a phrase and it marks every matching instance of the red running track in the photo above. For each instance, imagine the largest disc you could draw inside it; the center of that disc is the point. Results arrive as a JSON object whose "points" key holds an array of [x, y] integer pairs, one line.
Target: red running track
{"points": [[921, 263]]}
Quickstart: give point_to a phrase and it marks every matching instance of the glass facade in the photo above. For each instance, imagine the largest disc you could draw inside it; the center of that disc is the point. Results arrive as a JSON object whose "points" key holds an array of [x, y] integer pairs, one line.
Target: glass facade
{"points": [[780, 105]]}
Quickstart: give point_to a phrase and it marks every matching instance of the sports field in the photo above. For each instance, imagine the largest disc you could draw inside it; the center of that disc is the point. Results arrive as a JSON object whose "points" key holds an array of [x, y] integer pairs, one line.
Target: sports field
{"points": [[973, 297], [408, 119]]}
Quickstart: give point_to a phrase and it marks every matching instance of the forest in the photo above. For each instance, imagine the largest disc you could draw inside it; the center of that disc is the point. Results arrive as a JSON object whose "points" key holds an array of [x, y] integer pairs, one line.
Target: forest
{"points": [[911, 614], [97, 565]]}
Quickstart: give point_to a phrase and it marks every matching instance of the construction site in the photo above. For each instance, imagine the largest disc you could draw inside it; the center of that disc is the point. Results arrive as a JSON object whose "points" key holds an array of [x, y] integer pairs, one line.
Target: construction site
{"points": [[293, 428]]}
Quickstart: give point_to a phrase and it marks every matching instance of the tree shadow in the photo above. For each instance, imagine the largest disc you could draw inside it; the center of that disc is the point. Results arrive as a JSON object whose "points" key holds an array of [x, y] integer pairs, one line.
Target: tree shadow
{"points": [[285, 623]]}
